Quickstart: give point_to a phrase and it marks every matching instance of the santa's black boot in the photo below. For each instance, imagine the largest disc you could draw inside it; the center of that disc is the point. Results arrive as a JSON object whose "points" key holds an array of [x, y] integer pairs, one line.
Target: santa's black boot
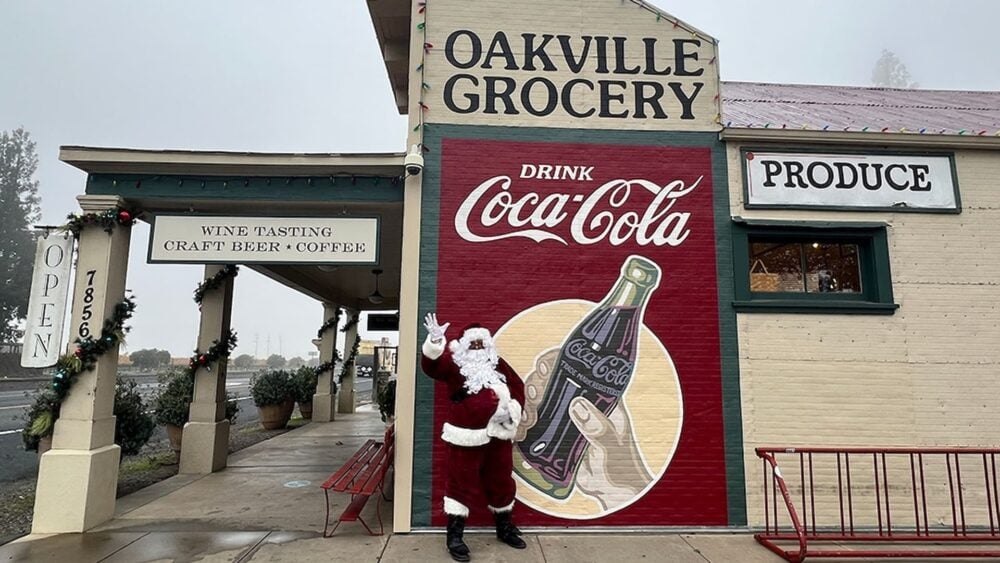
{"points": [[507, 532], [456, 545]]}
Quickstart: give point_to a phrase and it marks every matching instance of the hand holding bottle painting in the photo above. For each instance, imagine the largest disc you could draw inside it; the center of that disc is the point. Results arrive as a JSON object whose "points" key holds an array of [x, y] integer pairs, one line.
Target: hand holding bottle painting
{"points": [[609, 438], [575, 434]]}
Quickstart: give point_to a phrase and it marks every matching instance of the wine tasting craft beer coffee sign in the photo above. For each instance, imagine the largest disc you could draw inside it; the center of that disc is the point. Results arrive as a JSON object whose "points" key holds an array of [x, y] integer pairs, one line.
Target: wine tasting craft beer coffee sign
{"points": [[595, 264], [255, 240]]}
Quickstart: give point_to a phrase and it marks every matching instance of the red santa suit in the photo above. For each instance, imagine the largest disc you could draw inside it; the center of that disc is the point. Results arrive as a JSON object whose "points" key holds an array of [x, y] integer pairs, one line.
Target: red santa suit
{"points": [[484, 411]]}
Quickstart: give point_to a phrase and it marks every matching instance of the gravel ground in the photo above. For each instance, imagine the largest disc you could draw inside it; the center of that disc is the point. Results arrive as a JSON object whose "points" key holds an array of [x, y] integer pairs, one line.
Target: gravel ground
{"points": [[154, 463]]}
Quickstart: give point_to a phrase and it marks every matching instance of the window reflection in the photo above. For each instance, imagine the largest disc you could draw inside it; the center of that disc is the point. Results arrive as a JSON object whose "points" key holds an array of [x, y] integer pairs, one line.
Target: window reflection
{"points": [[782, 266]]}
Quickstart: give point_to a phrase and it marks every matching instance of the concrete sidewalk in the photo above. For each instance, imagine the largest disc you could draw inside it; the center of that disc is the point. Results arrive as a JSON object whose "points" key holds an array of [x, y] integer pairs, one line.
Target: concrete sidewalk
{"points": [[266, 506]]}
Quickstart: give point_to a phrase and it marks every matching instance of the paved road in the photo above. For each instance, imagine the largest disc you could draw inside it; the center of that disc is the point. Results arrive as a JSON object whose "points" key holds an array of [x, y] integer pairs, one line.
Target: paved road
{"points": [[16, 463]]}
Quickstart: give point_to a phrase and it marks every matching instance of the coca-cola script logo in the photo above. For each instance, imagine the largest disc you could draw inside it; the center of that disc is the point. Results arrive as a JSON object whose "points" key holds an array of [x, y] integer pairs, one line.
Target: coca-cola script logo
{"points": [[491, 210], [611, 369]]}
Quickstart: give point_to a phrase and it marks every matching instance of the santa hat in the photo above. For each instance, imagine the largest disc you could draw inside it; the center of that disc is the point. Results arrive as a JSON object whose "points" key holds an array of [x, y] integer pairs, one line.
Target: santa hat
{"points": [[478, 331]]}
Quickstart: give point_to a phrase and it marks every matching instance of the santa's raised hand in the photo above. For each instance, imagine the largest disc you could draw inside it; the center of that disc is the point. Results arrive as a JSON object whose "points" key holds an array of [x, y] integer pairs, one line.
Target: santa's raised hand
{"points": [[435, 330]]}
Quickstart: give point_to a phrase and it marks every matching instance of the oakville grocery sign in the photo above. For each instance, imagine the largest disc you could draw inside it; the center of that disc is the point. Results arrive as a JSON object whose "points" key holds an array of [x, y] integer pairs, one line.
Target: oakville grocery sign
{"points": [[542, 74], [273, 240], [848, 180]]}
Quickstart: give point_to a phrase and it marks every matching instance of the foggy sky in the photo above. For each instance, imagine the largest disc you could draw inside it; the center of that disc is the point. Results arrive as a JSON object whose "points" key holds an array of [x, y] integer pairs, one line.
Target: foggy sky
{"points": [[306, 76]]}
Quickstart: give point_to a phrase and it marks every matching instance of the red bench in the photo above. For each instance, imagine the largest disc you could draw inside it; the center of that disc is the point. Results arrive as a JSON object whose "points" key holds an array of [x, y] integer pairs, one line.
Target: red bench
{"points": [[361, 476]]}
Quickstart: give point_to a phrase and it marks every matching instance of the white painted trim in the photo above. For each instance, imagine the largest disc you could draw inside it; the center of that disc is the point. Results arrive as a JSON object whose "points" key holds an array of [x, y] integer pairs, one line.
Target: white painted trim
{"points": [[508, 508], [454, 508], [465, 437]]}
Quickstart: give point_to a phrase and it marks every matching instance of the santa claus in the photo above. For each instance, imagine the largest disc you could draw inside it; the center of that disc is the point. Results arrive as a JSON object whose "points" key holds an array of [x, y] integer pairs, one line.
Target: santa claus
{"points": [[484, 411]]}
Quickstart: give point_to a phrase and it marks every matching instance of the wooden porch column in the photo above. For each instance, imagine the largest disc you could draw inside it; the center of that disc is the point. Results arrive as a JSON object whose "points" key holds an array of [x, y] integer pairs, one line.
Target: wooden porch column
{"points": [[78, 477], [325, 402], [347, 400], [206, 434]]}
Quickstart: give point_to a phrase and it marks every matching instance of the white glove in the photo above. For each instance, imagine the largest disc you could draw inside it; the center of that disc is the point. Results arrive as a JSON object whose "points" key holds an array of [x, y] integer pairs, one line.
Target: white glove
{"points": [[435, 330]]}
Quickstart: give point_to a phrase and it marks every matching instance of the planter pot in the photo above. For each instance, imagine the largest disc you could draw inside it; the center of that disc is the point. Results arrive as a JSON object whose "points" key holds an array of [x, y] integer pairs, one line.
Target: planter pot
{"points": [[306, 409], [174, 433], [44, 444], [274, 417]]}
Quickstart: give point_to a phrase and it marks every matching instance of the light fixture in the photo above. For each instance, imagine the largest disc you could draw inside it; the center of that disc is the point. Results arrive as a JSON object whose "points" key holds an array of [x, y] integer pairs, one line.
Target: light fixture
{"points": [[327, 268], [376, 298]]}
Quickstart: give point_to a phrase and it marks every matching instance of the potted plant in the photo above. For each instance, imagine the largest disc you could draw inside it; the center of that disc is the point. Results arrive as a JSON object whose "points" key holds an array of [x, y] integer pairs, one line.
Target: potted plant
{"points": [[304, 387], [173, 401], [387, 402], [272, 393]]}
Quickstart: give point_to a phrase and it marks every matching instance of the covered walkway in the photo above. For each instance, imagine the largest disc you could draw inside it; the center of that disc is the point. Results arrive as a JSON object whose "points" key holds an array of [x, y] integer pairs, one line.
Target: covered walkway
{"points": [[266, 506]]}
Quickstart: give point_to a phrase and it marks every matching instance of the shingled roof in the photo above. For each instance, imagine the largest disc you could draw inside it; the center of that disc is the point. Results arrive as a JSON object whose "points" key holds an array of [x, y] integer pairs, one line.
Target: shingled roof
{"points": [[844, 108]]}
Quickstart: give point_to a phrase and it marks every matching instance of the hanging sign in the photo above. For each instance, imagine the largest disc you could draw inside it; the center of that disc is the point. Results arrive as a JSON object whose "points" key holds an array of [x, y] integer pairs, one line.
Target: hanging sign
{"points": [[873, 181], [207, 239], [47, 301]]}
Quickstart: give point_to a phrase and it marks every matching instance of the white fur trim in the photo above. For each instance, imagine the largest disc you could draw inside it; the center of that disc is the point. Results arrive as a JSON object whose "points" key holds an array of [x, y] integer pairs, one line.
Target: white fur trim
{"points": [[454, 508], [466, 437], [432, 350], [503, 424], [508, 508]]}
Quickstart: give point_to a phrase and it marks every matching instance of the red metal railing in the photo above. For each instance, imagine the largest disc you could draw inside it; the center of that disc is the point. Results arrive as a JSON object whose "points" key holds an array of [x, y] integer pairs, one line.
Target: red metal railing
{"points": [[908, 496]]}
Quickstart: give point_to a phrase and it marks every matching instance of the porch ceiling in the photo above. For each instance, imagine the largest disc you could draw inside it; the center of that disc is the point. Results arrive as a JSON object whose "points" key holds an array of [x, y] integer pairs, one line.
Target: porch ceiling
{"points": [[165, 172]]}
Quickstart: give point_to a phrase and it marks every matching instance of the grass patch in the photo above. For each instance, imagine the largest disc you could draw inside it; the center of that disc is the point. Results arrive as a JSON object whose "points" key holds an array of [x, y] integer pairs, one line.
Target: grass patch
{"points": [[149, 462], [22, 502]]}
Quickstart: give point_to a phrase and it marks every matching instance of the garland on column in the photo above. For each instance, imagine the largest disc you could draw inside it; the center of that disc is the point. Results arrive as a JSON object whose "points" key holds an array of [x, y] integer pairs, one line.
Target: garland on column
{"points": [[349, 362], [70, 366], [332, 322], [328, 367], [215, 282], [107, 220], [219, 350]]}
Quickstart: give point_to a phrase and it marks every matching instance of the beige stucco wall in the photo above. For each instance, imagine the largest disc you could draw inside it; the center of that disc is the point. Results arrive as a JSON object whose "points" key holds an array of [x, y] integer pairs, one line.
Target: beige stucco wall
{"points": [[925, 376], [575, 18]]}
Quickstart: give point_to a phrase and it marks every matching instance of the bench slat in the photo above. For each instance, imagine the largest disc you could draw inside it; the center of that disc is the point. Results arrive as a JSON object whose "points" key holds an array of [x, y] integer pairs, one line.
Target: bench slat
{"points": [[376, 477], [374, 469], [353, 465]]}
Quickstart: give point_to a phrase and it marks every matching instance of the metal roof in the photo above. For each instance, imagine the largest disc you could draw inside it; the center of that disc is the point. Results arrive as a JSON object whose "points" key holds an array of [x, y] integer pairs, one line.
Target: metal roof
{"points": [[855, 109]]}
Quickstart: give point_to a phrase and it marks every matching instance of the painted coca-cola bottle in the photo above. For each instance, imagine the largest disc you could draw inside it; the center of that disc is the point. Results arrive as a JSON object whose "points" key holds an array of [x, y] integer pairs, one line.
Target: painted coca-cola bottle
{"points": [[596, 362]]}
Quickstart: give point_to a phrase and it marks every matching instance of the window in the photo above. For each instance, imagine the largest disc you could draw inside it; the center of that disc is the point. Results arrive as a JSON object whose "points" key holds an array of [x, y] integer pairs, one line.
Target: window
{"points": [[812, 267]]}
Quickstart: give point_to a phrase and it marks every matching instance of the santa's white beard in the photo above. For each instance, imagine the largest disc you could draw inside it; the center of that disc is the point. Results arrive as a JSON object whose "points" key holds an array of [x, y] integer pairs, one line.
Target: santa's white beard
{"points": [[479, 367]]}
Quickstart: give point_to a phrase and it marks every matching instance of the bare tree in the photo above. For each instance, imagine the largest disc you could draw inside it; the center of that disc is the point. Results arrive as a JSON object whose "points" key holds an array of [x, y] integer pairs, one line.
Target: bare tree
{"points": [[890, 72]]}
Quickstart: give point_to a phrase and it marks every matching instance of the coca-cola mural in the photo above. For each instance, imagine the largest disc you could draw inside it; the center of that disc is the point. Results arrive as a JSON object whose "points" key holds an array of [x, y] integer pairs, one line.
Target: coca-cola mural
{"points": [[595, 265]]}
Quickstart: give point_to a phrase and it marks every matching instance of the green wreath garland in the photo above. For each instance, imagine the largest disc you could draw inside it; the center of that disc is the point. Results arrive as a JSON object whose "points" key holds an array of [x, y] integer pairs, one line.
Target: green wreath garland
{"points": [[219, 350], [107, 220], [215, 282], [68, 367]]}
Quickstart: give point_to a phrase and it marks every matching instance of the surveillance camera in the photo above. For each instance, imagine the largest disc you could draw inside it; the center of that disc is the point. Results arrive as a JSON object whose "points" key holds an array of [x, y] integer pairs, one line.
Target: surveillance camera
{"points": [[413, 163]]}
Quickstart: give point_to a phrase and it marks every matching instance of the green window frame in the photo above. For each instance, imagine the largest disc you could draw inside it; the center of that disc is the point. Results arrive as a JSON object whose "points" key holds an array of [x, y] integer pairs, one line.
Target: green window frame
{"points": [[875, 296]]}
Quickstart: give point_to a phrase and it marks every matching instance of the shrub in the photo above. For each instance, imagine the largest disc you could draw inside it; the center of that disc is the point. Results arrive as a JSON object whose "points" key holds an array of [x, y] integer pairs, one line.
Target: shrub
{"points": [[173, 399], [304, 384], [387, 400], [133, 424], [271, 387], [38, 420]]}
